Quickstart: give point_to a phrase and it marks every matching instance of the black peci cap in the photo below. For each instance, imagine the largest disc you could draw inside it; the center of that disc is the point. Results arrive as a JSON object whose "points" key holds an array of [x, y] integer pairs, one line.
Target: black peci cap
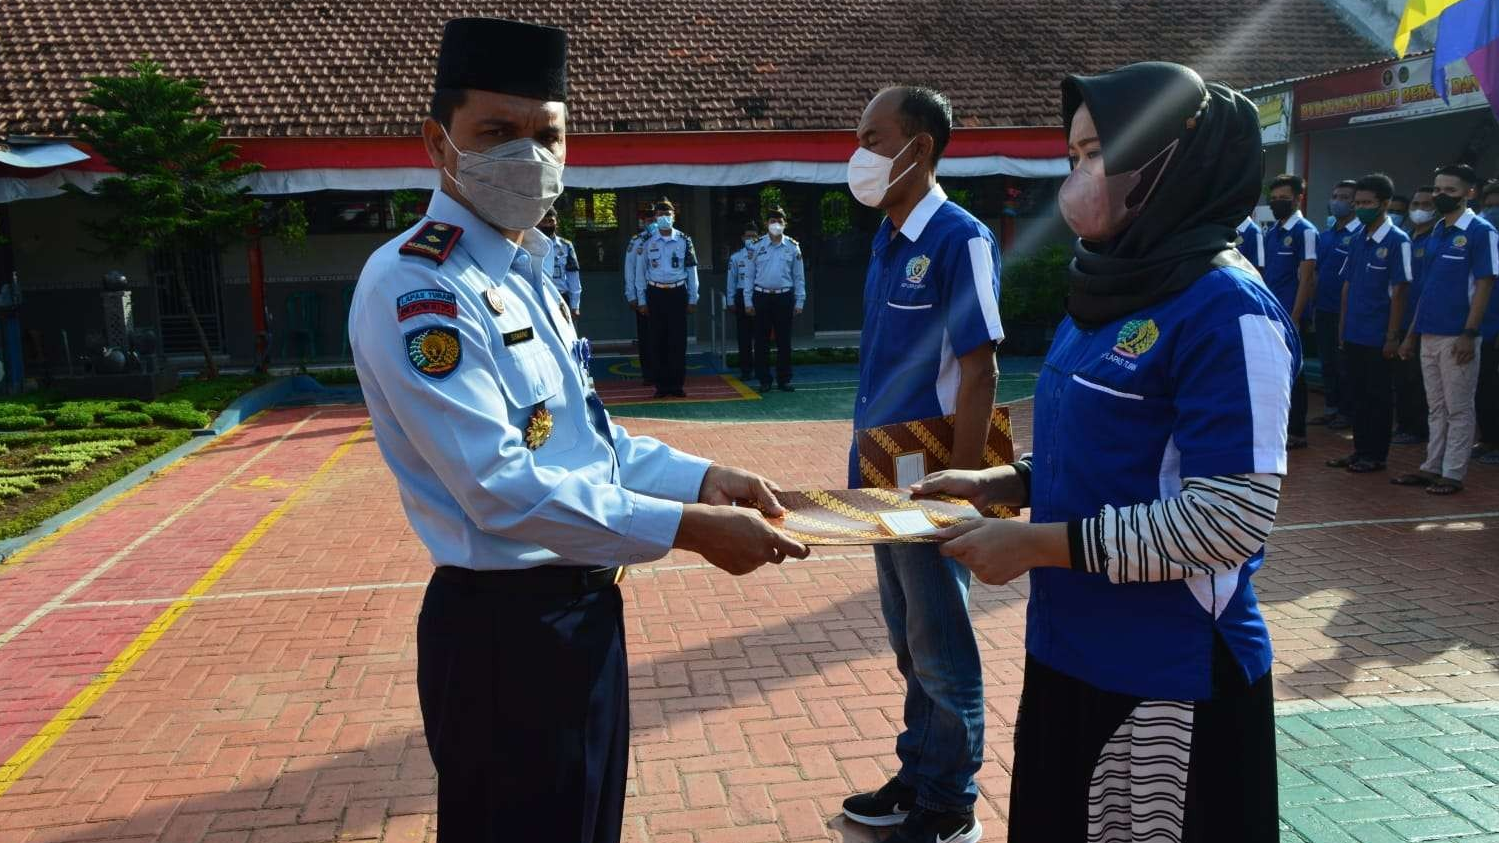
{"points": [[504, 56]]}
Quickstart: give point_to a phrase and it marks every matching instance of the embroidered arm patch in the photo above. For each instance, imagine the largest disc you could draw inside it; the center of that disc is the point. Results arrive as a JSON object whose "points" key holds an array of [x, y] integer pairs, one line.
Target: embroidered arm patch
{"points": [[434, 352], [418, 302]]}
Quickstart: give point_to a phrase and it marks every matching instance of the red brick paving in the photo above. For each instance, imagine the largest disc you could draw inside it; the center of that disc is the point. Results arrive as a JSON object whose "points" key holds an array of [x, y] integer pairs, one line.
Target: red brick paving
{"points": [[758, 702]]}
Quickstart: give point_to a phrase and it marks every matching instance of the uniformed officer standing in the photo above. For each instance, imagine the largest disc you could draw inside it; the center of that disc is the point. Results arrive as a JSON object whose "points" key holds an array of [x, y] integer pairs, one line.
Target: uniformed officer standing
{"points": [[527, 497], [564, 266], [739, 294], [778, 280], [668, 266], [635, 296]]}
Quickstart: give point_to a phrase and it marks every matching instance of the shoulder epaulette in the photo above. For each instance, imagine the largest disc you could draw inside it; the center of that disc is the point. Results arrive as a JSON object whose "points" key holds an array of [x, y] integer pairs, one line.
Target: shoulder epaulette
{"points": [[433, 241]]}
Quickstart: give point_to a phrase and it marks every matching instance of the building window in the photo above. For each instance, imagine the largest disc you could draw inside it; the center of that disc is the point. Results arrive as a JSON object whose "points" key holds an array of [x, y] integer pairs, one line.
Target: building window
{"points": [[593, 211], [342, 212]]}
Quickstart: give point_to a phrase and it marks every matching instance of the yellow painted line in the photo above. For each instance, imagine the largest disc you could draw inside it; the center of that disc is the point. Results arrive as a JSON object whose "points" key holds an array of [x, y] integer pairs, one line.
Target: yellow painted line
{"points": [[741, 387], [16, 766], [57, 535]]}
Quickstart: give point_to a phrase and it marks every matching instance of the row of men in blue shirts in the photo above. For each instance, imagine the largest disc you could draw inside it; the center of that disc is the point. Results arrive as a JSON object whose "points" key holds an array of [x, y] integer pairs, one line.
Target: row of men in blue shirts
{"points": [[767, 289], [1397, 292]]}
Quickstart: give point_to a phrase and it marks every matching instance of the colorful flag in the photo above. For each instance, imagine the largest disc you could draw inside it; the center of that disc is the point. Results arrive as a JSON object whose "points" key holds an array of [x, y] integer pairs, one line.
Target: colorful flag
{"points": [[1417, 14], [1469, 30]]}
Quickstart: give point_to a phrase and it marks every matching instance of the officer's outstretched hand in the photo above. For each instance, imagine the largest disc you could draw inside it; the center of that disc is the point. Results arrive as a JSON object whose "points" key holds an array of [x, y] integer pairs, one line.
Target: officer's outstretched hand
{"points": [[724, 485], [736, 539]]}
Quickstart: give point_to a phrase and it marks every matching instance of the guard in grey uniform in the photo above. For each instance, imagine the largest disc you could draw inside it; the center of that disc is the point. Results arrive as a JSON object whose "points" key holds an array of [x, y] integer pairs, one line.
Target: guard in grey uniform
{"points": [[563, 269], [778, 281], [738, 296], [531, 502], [668, 268]]}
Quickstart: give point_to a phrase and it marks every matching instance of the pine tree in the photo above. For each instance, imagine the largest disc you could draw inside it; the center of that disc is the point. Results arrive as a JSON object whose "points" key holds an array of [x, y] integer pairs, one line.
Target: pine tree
{"points": [[179, 185]]}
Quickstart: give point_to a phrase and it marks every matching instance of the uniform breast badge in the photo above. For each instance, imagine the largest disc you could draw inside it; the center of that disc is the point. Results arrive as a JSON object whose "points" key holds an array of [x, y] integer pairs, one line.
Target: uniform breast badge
{"points": [[539, 430], [495, 302]]}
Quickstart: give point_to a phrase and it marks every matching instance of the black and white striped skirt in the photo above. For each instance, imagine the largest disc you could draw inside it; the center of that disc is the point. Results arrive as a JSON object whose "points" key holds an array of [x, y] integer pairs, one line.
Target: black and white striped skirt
{"points": [[1097, 767]]}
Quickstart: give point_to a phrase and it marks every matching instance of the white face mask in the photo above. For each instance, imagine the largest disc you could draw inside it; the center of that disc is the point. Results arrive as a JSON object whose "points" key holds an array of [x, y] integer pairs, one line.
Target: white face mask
{"points": [[776, 229], [1420, 216], [869, 174], [511, 185]]}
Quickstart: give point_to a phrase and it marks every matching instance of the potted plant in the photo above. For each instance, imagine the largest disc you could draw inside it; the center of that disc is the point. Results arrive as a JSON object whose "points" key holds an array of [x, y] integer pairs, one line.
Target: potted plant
{"points": [[1033, 298]]}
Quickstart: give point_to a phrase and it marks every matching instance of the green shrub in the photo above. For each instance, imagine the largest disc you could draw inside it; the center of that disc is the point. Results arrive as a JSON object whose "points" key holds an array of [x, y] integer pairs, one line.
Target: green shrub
{"points": [[71, 418], [128, 405], [17, 410], [1035, 286], [22, 422], [175, 414], [126, 419]]}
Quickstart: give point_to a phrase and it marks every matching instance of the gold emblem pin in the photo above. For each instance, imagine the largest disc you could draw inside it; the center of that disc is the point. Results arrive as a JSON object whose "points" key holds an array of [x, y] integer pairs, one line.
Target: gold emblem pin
{"points": [[496, 303], [540, 428], [567, 313]]}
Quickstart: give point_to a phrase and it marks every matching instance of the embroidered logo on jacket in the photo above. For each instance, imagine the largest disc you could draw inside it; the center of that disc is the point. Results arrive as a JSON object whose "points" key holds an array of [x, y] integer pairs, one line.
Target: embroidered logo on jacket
{"points": [[435, 352], [1136, 337], [916, 270]]}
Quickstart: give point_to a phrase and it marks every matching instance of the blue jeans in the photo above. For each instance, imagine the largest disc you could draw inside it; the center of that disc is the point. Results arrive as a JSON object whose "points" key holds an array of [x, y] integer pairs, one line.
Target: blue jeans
{"points": [[925, 600], [1326, 325]]}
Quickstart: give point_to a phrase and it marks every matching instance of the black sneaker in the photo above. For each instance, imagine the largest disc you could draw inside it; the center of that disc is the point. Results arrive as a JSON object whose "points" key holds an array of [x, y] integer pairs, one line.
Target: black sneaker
{"points": [[765, 386], [923, 826], [885, 807]]}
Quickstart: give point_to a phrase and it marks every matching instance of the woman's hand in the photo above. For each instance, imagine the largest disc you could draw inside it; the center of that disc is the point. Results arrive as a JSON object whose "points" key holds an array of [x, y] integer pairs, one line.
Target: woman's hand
{"points": [[1000, 486], [997, 551]]}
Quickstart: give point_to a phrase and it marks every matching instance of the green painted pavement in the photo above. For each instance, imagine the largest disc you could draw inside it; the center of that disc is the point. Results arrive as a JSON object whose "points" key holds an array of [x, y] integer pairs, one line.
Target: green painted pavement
{"points": [[1392, 774]]}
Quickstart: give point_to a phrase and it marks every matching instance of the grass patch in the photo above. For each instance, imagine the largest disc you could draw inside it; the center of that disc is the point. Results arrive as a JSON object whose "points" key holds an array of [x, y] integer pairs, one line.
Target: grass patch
{"points": [[336, 377], [214, 395], [25, 512]]}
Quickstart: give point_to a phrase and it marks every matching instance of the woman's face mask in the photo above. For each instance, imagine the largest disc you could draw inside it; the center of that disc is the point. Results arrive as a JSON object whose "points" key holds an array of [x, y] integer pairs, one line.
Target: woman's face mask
{"points": [[511, 185], [1096, 205]]}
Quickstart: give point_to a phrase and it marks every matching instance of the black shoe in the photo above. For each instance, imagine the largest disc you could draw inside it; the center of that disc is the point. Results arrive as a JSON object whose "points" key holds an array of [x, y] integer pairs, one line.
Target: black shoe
{"points": [[885, 807], [765, 386], [923, 826], [746, 376], [1339, 423], [679, 393], [786, 387], [661, 393]]}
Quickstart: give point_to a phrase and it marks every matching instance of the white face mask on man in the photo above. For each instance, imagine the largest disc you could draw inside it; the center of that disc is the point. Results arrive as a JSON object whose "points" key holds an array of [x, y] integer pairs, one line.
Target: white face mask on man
{"points": [[776, 229], [869, 174], [510, 185]]}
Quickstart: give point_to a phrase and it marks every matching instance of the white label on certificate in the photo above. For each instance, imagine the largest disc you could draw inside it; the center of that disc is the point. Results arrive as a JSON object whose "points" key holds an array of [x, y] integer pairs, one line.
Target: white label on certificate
{"points": [[907, 522], [909, 469]]}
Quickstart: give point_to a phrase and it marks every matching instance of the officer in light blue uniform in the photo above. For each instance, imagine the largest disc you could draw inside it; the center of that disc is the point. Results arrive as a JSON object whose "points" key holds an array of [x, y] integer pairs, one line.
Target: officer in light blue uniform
{"points": [[777, 291], [667, 269], [529, 500], [563, 269], [739, 296], [1250, 241], [635, 298]]}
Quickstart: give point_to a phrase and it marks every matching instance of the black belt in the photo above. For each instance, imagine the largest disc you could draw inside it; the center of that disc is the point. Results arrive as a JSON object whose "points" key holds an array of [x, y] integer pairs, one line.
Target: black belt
{"points": [[548, 579]]}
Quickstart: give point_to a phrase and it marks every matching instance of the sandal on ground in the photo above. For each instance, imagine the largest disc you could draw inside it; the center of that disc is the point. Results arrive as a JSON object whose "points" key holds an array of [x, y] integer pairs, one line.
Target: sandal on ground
{"points": [[1341, 462], [1413, 480], [1444, 487], [1365, 466]]}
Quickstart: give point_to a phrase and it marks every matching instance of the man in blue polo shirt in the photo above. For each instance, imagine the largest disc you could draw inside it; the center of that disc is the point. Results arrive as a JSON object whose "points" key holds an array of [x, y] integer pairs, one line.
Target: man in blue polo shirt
{"points": [[1332, 252], [931, 322], [1250, 242], [1457, 276], [1290, 271], [1376, 277], [1410, 393]]}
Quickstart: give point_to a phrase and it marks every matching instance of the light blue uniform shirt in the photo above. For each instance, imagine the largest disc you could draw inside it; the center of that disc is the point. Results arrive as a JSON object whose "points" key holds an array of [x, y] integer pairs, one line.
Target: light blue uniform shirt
{"points": [[565, 271], [669, 260], [453, 387], [777, 267], [737, 290], [634, 252]]}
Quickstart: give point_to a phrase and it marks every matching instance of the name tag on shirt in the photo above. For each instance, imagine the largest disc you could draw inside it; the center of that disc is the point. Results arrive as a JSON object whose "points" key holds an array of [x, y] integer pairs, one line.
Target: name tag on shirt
{"points": [[520, 336]]}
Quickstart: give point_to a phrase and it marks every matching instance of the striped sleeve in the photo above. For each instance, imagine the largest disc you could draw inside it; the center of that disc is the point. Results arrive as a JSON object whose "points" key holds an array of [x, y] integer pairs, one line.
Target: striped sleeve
{"points": [[1215, 526], [1309, 244]]}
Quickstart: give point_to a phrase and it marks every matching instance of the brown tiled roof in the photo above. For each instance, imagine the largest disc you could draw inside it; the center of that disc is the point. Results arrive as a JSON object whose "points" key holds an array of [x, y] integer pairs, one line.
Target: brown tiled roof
{"points": [[364, 67]]}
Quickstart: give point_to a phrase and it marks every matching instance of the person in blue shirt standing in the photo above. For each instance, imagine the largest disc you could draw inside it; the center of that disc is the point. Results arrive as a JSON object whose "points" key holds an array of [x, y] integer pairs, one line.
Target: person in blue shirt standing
{"points": [[667, 273], [1291, 274], [931, 324], [1160, 427], [739, 295], [777, 282], [1376, 280], [1332, 252], [1457, 278], [529, 500], [1251, 243], [1486, 405], [564, 271], [1410, 392], [635, 298]]}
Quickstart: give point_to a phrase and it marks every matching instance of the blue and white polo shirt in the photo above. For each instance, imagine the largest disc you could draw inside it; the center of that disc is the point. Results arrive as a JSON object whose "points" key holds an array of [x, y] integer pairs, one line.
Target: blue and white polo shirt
{"points": [[1287, 246], [1198, 385], [1456, 257]]}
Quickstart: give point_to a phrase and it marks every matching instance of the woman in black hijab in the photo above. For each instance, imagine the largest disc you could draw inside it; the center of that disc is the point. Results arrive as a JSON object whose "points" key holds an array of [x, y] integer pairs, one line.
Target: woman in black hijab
{"points": [[1160, 425]]}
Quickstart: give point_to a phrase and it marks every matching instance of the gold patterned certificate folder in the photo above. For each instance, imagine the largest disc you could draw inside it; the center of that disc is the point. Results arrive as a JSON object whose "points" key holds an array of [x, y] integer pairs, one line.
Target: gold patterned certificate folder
{"points": [[867, 516], [896, 455]]}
